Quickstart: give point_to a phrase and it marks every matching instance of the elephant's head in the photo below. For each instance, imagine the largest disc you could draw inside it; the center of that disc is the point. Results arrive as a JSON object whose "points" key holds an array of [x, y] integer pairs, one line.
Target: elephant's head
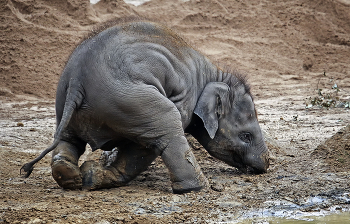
{"points": [[229, 128]]}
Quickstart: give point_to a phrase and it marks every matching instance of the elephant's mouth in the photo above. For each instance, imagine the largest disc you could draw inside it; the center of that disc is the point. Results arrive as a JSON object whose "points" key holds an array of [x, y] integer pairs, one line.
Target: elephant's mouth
{"points": [[255, 167], [251, 170]]}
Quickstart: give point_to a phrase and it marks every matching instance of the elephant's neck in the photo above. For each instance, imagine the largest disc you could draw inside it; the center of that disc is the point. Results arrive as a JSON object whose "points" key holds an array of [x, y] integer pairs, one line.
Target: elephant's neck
{"points": [[209, 72], [198, 131], [229, 77]]}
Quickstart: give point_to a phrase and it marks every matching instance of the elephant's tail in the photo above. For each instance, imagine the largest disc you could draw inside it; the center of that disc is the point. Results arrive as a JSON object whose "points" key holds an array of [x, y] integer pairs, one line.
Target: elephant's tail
{"points": [[74, 99]]}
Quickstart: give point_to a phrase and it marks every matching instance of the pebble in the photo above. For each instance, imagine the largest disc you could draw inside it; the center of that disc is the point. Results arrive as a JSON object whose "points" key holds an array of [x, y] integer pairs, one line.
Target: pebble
{"points": [[217, 187], [176, 198], [36, 220], [103, 222]]}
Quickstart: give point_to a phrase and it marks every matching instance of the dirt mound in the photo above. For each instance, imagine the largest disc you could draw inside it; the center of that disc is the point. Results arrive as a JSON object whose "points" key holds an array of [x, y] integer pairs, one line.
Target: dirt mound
{"points": [[36, 39], [109, 9], [336, 150], [332, 17], [54, 13], [260, 37], [293, 40]]}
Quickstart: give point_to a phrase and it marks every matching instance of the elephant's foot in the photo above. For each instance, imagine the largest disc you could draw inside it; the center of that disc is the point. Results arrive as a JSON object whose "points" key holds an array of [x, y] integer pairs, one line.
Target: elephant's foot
{"points": [[66, 174], [186, 186], [97, 177]]}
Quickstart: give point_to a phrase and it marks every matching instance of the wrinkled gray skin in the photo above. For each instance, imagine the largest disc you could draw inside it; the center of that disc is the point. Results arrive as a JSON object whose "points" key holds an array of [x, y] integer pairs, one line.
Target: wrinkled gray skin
{"points": [[139, 87]]}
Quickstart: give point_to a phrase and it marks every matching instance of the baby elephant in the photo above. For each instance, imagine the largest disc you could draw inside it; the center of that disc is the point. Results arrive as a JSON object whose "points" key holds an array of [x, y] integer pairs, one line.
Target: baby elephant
{"points": [[139, 87]]}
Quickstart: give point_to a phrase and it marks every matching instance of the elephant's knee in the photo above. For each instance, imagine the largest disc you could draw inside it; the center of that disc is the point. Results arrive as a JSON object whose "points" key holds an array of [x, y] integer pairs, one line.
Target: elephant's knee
{"points": [[68, 152]]}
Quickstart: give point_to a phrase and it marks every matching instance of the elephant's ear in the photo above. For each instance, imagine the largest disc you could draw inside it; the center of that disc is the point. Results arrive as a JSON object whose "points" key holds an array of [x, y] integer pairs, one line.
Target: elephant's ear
{"points": [[211, 105]]}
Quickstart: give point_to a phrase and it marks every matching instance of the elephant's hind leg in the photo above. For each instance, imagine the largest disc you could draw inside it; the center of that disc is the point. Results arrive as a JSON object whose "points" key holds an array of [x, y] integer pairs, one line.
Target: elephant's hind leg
{"points": [[131, 160], [64, 165]]}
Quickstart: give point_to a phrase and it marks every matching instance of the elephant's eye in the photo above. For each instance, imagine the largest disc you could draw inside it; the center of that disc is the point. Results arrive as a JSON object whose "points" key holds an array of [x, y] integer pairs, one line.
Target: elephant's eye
{"points": [[246, 137], [218, 107]]}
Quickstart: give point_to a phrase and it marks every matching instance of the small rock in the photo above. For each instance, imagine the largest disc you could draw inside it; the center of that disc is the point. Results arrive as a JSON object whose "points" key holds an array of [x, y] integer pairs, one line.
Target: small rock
{"points": [[217, 187], [229, 204], [307, 64], [176, 198], [119, 218], [36, 220], [20, 124], [248, 180], [103, 222]]}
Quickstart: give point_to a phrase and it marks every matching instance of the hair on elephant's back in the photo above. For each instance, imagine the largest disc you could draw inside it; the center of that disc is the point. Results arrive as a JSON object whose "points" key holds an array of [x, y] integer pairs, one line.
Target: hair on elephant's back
{"points": [[113, 22]]}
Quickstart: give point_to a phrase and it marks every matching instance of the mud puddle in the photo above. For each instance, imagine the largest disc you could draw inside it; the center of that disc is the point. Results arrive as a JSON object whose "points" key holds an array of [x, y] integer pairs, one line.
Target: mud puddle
{"points": [[310, 211], [338, 218], [302, 218]]}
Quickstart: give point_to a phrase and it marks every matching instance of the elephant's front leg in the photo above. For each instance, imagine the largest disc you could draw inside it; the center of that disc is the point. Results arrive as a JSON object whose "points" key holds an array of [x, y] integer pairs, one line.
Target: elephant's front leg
{"points": [[185, 173]]}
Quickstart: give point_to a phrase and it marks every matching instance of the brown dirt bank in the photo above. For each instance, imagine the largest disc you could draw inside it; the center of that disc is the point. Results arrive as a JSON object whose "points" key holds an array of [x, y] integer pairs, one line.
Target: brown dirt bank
{"points": [[284, 47]]}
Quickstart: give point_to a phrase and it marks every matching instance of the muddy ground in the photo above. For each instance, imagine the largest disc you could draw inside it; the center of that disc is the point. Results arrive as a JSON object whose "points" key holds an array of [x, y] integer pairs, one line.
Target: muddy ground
{"points": [[296, 55]]}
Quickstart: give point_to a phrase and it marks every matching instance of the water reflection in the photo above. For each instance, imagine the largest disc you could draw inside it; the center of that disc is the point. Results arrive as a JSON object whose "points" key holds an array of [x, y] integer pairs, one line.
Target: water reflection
{"points": [[338, 218]]}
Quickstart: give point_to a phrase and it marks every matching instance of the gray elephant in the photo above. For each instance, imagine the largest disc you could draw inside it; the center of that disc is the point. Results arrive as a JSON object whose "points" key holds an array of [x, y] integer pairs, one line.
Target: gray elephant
{"points": [[139, 87]]}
